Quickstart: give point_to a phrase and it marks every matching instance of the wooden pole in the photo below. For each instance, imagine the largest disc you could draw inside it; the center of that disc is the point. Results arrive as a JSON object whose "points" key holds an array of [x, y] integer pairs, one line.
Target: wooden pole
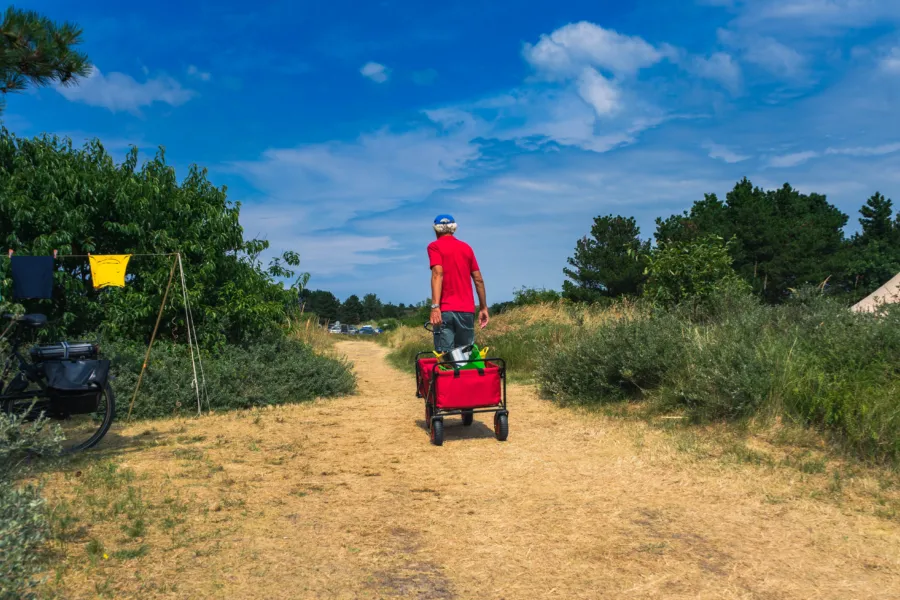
{"points": [[152, 337]]}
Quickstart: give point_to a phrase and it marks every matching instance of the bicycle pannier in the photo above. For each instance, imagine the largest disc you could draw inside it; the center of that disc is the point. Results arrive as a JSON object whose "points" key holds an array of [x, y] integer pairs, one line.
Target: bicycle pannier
{"points": [[76, 375]]}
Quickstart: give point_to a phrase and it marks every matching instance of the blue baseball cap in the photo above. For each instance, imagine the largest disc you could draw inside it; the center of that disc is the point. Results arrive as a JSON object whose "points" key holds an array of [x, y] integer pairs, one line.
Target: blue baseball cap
{"points": [[443, 219]]}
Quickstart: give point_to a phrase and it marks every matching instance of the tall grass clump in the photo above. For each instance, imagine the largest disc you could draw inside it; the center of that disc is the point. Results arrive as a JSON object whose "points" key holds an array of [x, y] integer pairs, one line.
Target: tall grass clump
{"points": [[277, 372]]}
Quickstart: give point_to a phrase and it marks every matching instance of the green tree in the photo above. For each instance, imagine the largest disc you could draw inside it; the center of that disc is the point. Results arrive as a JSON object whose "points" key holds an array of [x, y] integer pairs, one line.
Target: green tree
{"points": [[608, 263], [371, 307], [78, 201], [691, 272], [873, 256], [322, 303], [876, 221], [783, 239], [351, 310], [390, 311], [36, 51], [526, 296]]}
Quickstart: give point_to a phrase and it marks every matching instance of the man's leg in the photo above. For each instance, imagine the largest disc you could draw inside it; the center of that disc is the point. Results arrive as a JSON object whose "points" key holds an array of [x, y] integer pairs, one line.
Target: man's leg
{"points": [[463, 329]]}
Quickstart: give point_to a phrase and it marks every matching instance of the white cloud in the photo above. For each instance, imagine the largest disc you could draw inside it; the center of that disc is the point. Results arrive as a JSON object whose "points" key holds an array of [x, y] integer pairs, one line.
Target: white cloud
{"points": [[821, 13], [724, 153], [866, 150], [792, 160], [375, 71], [565, 52], [891, 62], [720, 67], [121, 92], [765, 52], [193, 71], [324, 185], [598, 91]]}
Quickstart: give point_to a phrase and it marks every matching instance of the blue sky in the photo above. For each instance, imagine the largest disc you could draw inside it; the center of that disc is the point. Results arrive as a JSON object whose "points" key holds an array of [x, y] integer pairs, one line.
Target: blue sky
{"points": [[343, 128]]}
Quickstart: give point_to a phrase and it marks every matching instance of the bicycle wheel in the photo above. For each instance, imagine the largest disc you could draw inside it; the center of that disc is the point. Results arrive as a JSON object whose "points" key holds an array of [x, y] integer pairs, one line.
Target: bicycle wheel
{"points": [[83, 418], [84, 430]]}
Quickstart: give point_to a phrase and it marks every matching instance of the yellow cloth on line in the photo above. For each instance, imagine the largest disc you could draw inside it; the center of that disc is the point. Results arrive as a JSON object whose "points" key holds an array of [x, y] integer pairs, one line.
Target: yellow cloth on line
{"points": [[108, 269]]}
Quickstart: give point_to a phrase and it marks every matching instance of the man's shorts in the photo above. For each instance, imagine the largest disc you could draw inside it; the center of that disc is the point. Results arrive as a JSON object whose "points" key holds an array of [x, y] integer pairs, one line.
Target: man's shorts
{"points": [[458, 330]]}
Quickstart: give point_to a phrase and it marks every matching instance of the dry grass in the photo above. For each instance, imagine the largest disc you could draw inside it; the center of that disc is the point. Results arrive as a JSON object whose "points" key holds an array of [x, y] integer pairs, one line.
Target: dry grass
{"points": [[346, 499], [307, 330]]}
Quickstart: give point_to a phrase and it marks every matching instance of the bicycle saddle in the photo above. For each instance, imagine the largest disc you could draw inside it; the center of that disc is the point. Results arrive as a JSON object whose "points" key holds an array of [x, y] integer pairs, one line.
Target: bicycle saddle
{"points": [[34, 320]]}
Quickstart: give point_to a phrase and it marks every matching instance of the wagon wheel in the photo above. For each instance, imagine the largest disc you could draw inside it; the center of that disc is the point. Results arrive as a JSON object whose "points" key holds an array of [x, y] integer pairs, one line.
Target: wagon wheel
{"points": [[437, 432], [468, 417], [501, 426]]}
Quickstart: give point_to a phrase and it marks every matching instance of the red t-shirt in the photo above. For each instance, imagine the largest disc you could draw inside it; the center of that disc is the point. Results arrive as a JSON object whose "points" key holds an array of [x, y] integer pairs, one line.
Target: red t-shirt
{"points": [[458, 261]]}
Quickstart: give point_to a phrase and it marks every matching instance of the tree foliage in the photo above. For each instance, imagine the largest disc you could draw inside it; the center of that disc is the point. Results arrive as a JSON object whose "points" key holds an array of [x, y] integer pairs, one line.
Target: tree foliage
{"points": [[691, 272], [352, 310], [782, 238], [873, 255], [608, 263], [78, 201], [34, 50]]}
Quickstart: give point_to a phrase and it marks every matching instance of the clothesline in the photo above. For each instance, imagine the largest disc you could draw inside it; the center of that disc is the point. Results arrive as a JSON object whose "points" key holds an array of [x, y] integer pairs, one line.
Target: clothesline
{"points": [[33, 279], [89, 255]]}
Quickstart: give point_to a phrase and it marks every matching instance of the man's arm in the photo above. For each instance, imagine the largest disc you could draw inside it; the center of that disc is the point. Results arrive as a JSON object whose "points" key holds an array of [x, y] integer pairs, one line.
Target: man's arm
{"points": [[437, 284], [483, 316]]}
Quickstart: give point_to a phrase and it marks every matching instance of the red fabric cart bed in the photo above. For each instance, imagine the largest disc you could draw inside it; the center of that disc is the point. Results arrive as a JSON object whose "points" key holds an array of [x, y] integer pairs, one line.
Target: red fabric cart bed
{"points": [[461, 391]]}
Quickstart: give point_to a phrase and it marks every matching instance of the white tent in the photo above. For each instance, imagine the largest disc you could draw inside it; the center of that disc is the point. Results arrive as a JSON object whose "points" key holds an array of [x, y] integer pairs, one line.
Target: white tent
{"points": [[889, 293]]}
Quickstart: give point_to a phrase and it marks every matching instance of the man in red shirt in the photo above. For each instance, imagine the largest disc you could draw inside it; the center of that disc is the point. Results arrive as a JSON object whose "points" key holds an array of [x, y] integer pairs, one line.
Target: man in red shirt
{"points": [[453, 269]]}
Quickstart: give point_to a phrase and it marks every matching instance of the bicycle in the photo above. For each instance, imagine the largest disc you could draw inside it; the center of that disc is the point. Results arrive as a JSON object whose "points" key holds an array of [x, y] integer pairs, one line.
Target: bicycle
{"points": [[64, 382]]}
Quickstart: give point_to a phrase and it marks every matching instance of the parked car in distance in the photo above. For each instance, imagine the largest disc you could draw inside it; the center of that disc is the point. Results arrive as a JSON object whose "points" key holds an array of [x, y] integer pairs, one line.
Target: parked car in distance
{"points": [[352, 330], [345, 328], [368, 330], [334, 329]]}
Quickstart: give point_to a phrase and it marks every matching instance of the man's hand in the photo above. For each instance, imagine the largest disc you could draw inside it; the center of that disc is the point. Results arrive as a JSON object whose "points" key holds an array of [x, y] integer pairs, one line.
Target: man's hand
{"points": [[436, 318], [483, 317]]}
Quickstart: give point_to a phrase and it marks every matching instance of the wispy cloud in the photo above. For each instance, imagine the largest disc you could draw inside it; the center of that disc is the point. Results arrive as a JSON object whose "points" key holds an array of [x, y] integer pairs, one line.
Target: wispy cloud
{"points": [[866, 150], [720, 67], [891, 62], [120, 92], [193, 71], [766, 53], [817, 16], [375, 71], [724, 153], [792, 160]]}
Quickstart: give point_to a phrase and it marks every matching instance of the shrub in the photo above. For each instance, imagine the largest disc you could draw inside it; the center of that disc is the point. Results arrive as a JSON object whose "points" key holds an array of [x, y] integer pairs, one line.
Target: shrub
{"points": [[24, 526], [691, 273], [728, 366], [282, 371], [625, 357]]}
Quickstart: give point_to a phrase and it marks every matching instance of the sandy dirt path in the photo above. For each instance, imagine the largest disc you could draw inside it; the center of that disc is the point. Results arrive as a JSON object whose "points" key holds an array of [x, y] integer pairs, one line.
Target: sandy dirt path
{"points": [[347, 499]]}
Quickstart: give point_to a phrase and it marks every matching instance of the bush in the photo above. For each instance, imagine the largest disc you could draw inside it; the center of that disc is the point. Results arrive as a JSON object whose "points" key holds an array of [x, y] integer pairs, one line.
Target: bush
{"points": [[811, 360], [691, 273], [24, 525], [728, 366], [626, 357], [279, 372]]}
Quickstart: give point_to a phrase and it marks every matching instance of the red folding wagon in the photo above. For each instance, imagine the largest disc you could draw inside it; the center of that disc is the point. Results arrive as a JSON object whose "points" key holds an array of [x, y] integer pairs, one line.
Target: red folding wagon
{"points": [[449, 389]]}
